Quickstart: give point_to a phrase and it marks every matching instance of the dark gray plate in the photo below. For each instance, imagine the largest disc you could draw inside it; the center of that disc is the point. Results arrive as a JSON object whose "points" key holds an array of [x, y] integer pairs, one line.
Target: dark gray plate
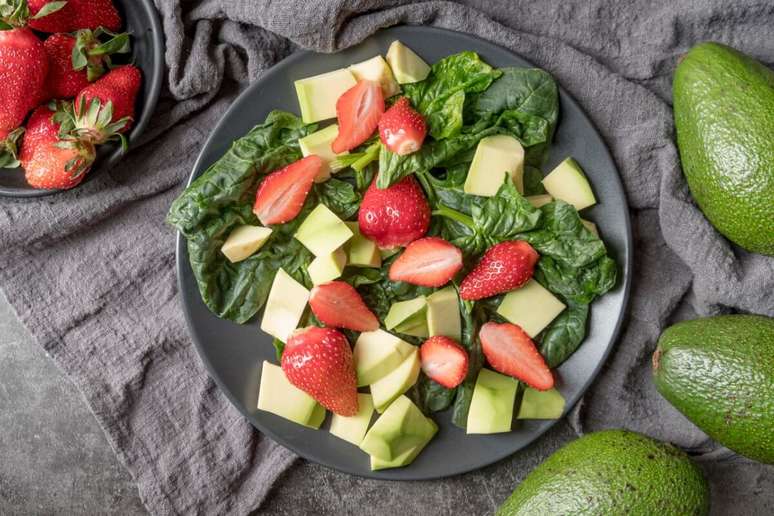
{"points": [[233, 354], [142, 21]]}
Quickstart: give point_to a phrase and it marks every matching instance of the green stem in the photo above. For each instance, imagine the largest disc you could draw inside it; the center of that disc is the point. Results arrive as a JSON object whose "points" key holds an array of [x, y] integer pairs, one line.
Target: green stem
{"points": [[370, 154], [429, 190], [445, 211]]}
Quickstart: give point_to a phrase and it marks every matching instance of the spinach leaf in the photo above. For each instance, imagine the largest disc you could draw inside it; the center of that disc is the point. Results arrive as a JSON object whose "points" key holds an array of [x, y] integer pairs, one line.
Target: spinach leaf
{"points": [[441, 96], [339, 196], [433, 396], [565, 334], [577, 284], [533, 181], [472, 318], [379, 293], [279, 348]]}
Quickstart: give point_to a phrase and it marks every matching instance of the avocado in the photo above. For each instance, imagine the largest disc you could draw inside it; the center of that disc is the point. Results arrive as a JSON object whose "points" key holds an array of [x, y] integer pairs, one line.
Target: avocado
{"points": [[278, 396], [532, 307], [568, 183], [243, 241], [284, 306], [400, 429], [398, 381], [612, 472], [541, 404], [495, 157], [406, 65], [443, 314], [719, 372], [319, 144], [317, 96], [328, 267], [361, 252], [539, 200], [377, 70], [408, 317], [405, 458], [724, 117], [491, 407], [376, 354], [322, 232], [353, 429]]}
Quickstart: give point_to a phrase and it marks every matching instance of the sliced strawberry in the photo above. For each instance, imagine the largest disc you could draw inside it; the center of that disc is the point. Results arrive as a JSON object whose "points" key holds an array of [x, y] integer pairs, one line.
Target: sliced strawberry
{"points": [[338, 304], [319, 362], [510, 351], [504, 267], [444, 361], [394, 216], [401, 129], [283, 192], [358, 110], [427, 262]]}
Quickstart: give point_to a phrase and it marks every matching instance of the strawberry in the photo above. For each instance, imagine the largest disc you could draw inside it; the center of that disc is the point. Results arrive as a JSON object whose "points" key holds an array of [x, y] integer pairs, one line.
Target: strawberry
{"points": [[504, 267], [427, 262], [401, 129], [282, 193], [358, 110], [73, 15], [108, 100], [510, 351], [319, 362], [394, 216], [338, 304], [444, 361]]}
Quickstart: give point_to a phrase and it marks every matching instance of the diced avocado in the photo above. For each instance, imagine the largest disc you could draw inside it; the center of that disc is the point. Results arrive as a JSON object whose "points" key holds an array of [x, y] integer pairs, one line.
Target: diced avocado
{"points": [[539, 200], [491, 408], [327, 268], [405, 458], [568, 183], [532, 307], [376, 70], [402, 311], [317, 95], [443, 314], [407, 67], [362, 252], [401, 428], [322, 232], [243, 241], [353, 429], [495, 157], [541, 404], [395, 383], [590, 226], [284, 306], [378, 353], [278, 396], [416, 326], [319, 144]]}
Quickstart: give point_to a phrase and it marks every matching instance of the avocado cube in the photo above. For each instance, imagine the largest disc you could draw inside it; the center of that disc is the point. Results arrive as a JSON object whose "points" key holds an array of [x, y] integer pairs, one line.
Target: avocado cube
{"points": [[400, 429], [243, 241], [443, 314], [376, 354], [402, 311], [541, 404], [407, 67], [319, 144], [395, 383], [377, 70], [568, 183], [491, 408], [317, 95], [327, 268], [362, 252], [591, 227], [284, 306], [353, 429], [322, 232], [531, 306], [278, 396], [405, 458], [539, 200], [495, 157]]}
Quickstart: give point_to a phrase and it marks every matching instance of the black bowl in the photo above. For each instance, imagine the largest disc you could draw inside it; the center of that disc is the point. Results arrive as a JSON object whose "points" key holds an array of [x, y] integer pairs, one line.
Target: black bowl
{"points": [[142, 21]]}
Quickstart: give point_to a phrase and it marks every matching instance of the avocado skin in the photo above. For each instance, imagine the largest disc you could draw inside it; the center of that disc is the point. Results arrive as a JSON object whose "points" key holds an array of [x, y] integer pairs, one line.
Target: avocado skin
{"points": [[719, 372], [612, 472], [724, 117]]}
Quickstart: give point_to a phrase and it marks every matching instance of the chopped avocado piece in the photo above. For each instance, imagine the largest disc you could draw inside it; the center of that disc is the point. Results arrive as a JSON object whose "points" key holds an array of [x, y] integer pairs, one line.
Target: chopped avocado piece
{"points": [[395, 383], [532, 307], [541, 404], [278, 396], [317, 95], [322, 232], [495, 157], [402, 311], [353, 429], [319, 144], [284, 306], [401, 428], [539, 200], [491, 408], [318, 416], [590, 226], [362, 252], [405, 458], [327, 268], [443, 314], [243, 241], [378, 353], [568, 183], [416, 326], [386, 253], [376, 70], [407, 67]]}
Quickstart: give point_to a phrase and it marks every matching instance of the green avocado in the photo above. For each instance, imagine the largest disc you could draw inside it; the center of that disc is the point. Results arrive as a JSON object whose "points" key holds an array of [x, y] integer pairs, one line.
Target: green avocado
{"points": [[719, 372], [724, 117], [612, 472]]}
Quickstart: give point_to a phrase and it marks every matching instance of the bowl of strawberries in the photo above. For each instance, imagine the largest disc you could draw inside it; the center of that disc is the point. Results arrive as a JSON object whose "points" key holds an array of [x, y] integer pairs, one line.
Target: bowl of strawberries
{"points": [[80, 81]]}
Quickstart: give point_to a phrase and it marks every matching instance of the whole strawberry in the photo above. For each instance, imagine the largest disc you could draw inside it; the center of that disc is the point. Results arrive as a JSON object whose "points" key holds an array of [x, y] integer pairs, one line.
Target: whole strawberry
{"points": [[504, 267], [73, 15], [394, 216], [401, 129], [319, 362]]}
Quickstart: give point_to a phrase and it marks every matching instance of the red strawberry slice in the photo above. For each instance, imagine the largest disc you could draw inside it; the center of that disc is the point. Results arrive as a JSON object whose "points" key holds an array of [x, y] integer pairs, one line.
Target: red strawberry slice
{"points": [[510, 351], [358, 110], [427, 262], [504, 267], [282, 193], [401, 129], [394, 216], [338, 304], [444, 361], [319, 362]]}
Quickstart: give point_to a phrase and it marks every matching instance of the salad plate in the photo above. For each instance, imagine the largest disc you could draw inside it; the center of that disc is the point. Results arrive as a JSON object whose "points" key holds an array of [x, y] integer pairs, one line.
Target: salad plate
{"points": [[234, 353]]}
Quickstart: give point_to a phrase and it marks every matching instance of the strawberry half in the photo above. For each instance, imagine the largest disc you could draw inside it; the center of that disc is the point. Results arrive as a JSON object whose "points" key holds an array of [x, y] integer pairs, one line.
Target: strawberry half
{"points": [[358, 110], [504, 267], [510, 351], [319, 362], [427, 262], [338, 304], [394, 216], [444, 361], [401, 129], [282, 193]]}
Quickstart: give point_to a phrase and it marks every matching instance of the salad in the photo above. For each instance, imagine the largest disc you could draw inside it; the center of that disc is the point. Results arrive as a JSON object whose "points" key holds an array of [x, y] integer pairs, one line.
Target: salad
{"points": [[407, 251]]}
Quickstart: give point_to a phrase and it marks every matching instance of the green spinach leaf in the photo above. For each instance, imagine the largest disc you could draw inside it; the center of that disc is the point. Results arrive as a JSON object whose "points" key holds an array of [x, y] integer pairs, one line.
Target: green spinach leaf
{"points": [[339, 196], [565, 334], [472, 319], [577, 284]]}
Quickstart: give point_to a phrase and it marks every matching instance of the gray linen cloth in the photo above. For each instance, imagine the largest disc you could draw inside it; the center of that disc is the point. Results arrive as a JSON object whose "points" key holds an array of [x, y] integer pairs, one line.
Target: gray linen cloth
{"points": [[91, 272]]}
